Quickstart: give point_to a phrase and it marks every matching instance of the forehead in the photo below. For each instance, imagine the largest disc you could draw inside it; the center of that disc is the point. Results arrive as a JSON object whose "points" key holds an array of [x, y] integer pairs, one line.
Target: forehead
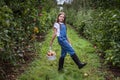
{"points": [[62, 15]]}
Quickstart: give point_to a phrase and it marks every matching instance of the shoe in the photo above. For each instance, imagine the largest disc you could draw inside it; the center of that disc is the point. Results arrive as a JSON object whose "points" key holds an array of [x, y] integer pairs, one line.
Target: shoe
{"points": [[77, 61], [82, 65]]}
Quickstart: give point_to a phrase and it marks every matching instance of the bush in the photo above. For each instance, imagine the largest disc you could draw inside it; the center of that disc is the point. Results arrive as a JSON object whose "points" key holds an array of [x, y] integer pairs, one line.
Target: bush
{"points": [[106, 35], [20, 22], [104, 32], [102, 28]]}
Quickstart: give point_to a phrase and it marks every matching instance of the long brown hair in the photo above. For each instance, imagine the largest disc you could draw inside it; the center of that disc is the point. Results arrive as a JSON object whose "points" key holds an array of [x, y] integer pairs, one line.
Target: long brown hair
{"points": [[64, 17]]}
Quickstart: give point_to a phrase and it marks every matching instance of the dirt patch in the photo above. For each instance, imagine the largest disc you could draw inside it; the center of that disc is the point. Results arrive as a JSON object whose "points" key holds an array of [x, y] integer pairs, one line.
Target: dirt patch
{"points": [[11, 72], [115, 71], [110, 72]]}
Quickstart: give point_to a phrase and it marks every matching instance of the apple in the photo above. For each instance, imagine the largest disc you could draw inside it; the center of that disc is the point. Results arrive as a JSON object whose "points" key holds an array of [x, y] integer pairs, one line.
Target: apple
{"points": [[49, 54], [85, 74]]}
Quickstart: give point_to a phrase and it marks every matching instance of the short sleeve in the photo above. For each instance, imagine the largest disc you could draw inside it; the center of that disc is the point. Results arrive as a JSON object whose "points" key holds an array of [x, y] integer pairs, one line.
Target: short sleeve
{"points": [[56, 25]]}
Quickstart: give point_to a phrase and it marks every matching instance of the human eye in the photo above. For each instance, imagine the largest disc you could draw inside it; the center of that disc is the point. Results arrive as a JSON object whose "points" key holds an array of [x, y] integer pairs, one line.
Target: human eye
{"points": [[62, 16]]}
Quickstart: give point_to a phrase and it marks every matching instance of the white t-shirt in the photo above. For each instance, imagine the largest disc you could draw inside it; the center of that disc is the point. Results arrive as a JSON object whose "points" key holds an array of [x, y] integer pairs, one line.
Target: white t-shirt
{"points": [[57, 26]]}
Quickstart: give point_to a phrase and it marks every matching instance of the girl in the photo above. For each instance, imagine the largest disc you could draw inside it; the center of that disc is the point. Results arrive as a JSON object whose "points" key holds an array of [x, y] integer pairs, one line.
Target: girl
{"points": [[61, 33]]}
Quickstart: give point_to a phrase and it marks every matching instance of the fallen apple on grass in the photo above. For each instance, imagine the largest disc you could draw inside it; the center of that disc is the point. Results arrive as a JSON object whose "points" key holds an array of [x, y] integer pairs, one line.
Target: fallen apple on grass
{"points": [[86, 74]]}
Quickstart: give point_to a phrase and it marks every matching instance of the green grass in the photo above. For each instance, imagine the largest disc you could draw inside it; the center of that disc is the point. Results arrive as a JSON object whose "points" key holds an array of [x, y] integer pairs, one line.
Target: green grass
{"points": [[43, 69]]}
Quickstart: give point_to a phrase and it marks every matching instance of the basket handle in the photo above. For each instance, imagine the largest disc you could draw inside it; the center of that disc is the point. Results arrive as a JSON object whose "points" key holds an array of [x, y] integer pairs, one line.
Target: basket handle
{"points": [[50, 48]]}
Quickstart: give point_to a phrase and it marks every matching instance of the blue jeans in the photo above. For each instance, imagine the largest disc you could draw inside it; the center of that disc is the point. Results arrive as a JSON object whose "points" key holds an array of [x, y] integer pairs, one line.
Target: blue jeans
{"points": [[65, 47]]}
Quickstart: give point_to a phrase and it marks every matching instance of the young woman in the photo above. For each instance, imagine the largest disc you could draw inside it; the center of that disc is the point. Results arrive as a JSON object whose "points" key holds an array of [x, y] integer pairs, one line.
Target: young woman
{"points": [[61, 33]]}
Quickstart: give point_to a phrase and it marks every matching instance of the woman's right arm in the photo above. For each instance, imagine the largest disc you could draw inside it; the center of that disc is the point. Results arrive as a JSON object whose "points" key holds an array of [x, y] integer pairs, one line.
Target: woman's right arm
{"points": [[53, 36]]}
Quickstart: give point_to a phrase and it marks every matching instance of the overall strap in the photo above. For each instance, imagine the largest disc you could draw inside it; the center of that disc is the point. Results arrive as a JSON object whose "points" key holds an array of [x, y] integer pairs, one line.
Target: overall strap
{"points": [[60, 26]]}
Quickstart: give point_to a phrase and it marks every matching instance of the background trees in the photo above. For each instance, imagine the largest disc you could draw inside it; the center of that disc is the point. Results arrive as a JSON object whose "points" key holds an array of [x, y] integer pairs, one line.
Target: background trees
{"points": [[21, 21], [98, 21]]}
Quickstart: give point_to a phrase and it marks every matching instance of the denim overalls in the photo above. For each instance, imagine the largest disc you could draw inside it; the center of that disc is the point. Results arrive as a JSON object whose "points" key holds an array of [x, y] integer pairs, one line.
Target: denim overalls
{"points": [[62, 40]]}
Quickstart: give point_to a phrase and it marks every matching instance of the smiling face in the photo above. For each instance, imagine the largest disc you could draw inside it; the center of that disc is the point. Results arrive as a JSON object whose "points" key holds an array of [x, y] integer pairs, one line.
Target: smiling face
{"points": [[61, 17]]}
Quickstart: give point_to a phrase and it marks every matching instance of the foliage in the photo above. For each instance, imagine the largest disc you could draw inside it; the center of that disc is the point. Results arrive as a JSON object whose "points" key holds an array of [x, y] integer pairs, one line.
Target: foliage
{"points": [[105, 33], [20, 22], [105, 4], [94, 4], [100, 25], [69, 15], [102, 29], [79, 4], [80, 21], [47, 20], [16, 28]]}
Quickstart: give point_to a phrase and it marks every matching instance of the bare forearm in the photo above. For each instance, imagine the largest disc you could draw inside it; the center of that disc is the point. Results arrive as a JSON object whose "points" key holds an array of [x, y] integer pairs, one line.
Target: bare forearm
{"points": [[53, 37]]}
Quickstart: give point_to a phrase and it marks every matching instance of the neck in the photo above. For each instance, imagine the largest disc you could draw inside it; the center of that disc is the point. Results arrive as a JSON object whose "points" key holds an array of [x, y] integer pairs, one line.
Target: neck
{"points": [[60, 22]]}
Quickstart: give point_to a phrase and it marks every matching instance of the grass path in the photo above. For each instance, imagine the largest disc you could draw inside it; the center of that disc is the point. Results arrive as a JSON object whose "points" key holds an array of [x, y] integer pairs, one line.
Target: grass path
{"points": [[42, 69]]}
